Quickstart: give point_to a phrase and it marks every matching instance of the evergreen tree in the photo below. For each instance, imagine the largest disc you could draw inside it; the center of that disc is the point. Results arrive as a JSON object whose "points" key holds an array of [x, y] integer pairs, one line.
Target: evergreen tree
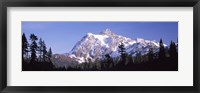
{"points": [[129, 60], [108, 61], [98, 65], [123, 53], [44, 51], [162, 51], [86, 66], [33, 47], [90, 65], [40, 49], [49, 54], [138, 57], [24, 47], [172, 50], [150, 55]]}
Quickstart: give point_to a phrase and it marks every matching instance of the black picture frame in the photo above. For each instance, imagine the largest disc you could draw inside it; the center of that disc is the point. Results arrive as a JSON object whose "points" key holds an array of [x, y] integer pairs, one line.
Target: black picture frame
{"points": [[100, 3]]}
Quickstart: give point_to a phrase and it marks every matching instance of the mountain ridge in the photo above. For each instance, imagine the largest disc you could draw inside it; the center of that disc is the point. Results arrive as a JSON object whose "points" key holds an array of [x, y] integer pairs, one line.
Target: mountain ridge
{"points": [[95, 46]]}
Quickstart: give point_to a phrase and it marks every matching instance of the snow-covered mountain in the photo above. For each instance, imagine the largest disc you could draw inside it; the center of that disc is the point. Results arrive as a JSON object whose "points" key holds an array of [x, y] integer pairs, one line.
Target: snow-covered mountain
{"points": [[95, 46]]}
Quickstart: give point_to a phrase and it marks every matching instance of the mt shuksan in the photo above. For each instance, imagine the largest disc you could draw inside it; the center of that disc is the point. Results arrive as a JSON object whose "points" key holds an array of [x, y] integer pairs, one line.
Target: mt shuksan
{"points": [[95, 46]]}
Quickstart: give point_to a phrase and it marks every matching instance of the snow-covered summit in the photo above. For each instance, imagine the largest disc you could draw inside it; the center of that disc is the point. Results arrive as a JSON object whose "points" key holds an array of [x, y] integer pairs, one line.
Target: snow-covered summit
{"points": [[106, 32], [95, 46]]}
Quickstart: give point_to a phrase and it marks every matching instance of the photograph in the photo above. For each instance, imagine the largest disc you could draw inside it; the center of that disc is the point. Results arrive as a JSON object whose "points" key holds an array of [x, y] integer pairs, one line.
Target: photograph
{"points": [[63, 46], [99, 46]]}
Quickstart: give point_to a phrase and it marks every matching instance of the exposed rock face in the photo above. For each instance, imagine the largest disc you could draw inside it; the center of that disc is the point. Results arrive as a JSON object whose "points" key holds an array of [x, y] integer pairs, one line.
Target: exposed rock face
{"points": [[95, 46]]}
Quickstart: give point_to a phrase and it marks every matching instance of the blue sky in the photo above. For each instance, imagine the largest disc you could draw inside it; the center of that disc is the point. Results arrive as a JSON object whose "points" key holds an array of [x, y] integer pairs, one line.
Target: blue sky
{"points": [[62, 36]]}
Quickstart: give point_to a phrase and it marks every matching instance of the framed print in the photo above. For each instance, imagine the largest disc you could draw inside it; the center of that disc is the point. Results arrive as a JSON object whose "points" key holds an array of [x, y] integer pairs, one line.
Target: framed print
{"points": [[104, 51], [99, 46]]}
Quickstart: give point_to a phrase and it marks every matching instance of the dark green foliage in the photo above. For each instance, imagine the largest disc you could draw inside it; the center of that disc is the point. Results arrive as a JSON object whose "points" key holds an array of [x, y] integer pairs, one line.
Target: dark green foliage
{"points": [[33, 47], [123, 54], [43, 61], [24, 47], [161, 51], [49, 55], [108, 63], [40, 48], [138, 58], [172, 51], [44, 52], [150, 55]]}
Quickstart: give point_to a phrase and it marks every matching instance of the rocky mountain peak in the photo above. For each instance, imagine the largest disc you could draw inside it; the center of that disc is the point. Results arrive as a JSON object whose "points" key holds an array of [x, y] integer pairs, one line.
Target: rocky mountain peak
{"points": [[95, 46], [140, 40], [107, 32]]}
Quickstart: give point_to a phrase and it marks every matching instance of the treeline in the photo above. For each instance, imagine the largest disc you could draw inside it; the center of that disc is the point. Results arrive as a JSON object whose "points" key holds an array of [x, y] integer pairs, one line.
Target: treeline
{"points": [[164, 60], [35, 55]]}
